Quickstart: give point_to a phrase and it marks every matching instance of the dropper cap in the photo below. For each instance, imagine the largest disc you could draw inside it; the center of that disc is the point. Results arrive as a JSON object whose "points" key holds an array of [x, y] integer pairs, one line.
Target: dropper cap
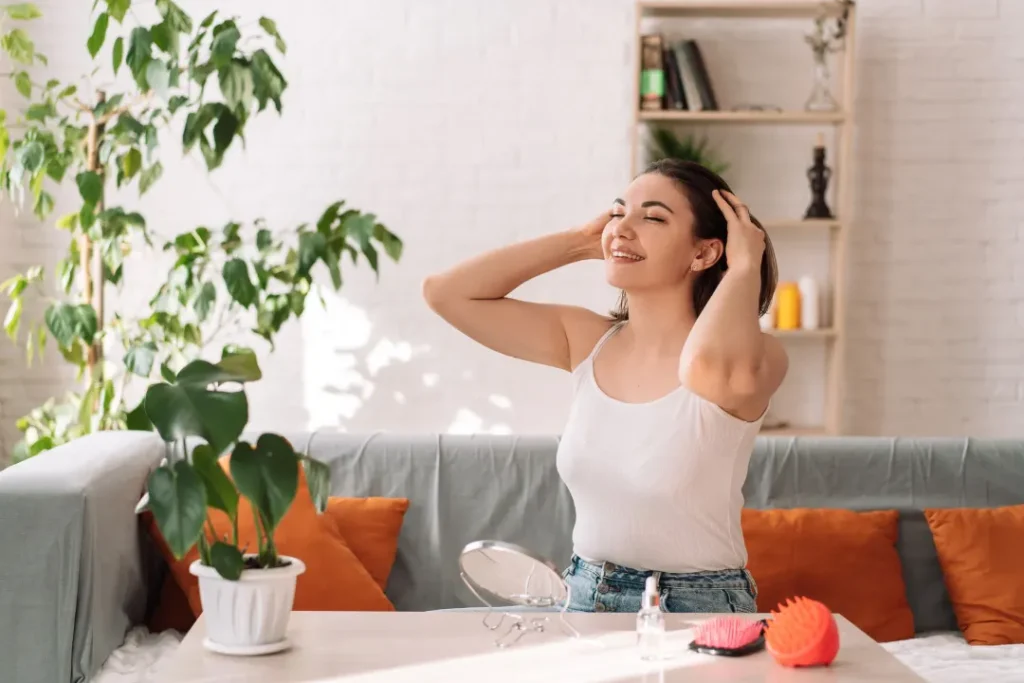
{"points": [[650, 593]]}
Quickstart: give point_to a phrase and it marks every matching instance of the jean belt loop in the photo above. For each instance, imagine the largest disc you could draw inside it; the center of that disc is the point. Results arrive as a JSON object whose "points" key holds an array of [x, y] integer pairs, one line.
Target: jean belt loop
{"points": [[657, 580]]}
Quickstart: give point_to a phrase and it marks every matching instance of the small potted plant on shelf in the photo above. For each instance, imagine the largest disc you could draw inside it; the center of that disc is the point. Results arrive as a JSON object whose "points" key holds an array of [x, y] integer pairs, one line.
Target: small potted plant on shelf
{"points": [[246, 592]]}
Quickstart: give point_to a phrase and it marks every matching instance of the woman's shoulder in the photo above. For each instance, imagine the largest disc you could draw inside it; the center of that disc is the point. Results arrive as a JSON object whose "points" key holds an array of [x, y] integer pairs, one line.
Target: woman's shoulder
{"points": [[584, 329]]}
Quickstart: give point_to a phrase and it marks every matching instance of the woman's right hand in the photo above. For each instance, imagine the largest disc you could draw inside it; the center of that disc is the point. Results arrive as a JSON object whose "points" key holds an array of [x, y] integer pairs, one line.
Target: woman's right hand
{"points": [[591, 232]]}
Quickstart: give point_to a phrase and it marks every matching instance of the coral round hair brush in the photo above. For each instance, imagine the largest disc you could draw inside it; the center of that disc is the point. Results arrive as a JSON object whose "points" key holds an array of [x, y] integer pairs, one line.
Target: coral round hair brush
{"points": [[802, 632], [729, 637]]}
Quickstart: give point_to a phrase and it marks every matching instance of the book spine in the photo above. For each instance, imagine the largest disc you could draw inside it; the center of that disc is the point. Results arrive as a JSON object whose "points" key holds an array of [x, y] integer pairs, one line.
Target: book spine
{"points": [[652, 73], [676, 96], [690, 92], [700, 74]]}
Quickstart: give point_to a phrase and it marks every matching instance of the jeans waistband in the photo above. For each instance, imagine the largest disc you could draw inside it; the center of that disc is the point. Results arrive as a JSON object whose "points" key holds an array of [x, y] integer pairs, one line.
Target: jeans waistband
{"points": [[612, 573]]}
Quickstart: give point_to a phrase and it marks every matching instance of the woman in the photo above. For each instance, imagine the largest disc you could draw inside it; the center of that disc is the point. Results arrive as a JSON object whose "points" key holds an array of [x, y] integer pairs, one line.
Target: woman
{"points": [[669, 392]]}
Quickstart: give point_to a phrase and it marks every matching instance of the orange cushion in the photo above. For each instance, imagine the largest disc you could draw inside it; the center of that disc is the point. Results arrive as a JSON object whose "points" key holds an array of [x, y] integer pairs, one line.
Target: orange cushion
{"points": [[981, 551], [371, 527], [845, 559], [172, 610], [334, 580]]}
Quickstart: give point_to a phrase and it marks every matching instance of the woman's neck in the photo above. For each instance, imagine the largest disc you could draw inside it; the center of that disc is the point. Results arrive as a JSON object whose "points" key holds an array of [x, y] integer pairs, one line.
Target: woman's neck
{"points": [[659, 321]]}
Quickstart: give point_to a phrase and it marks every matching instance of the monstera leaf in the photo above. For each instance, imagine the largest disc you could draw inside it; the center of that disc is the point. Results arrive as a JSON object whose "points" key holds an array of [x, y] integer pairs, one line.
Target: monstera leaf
{"points": [[195, 405], [268, 475], [178, 503]]}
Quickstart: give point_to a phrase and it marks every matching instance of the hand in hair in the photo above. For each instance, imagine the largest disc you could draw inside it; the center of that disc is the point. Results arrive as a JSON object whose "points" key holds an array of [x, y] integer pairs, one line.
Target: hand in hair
{"points": [[727, 359], [591, 232], [745, 245]]}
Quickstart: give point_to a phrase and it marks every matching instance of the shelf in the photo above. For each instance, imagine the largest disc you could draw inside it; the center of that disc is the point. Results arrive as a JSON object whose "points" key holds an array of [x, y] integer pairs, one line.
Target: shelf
{"points": [[802, 224], [793, 431], [779, 9], [823, 333], [742, 116], [828, 236]]}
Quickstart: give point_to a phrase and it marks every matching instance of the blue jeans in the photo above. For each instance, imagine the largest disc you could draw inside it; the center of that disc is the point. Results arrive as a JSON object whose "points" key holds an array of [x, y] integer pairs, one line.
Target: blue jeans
{"points": [[606, 587]]}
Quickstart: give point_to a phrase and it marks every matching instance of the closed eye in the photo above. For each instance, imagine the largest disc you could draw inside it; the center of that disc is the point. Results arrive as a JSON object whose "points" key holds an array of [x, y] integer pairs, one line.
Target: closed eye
{"points": [[655, 219], [618, 215]]}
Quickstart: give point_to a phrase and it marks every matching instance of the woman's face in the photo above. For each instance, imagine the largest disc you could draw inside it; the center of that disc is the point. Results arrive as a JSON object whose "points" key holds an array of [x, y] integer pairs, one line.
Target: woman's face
{"points": [[649, 241]]}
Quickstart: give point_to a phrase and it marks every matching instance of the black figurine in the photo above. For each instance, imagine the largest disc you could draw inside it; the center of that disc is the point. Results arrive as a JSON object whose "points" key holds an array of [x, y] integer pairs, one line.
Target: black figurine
{"points": [[819, 175]]}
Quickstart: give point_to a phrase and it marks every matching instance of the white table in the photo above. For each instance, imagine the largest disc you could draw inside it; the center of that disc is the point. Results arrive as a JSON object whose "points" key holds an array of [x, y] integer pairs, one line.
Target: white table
{"points": [[417, 647]]}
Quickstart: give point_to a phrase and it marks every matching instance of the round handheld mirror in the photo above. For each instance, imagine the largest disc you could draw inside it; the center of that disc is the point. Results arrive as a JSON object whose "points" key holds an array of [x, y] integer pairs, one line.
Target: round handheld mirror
{"points": [[511, 574]]}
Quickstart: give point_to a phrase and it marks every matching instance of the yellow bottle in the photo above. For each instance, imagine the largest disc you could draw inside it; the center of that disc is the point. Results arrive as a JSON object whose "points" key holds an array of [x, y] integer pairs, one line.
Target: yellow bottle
{"points": [[788, 308]]}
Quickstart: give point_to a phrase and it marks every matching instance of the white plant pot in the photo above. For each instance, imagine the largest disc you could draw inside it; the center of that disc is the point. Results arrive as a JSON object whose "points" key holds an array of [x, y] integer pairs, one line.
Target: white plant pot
{"points": [[248, 616]]}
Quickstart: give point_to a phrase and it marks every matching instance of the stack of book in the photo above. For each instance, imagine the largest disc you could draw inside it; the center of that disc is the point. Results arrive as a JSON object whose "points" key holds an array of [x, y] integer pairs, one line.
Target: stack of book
{"points": [[673, 76]]}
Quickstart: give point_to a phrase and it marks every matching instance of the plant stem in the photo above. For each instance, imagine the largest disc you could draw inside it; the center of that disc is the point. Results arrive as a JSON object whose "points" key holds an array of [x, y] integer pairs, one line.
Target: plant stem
{"points": [[91, 263], [260, 535]]}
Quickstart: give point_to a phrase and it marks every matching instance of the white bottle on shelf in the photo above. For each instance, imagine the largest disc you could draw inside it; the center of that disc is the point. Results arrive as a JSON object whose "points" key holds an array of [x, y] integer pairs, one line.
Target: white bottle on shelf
{"points": [[810, 318], [767, 321]]}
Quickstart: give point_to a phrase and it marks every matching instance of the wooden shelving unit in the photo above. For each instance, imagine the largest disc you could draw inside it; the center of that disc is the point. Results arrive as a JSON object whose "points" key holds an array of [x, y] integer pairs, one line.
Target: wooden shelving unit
{"points": [[801, 224], [820, 333], [778, 117], [795, 431], [777, 9], [840, 159]]}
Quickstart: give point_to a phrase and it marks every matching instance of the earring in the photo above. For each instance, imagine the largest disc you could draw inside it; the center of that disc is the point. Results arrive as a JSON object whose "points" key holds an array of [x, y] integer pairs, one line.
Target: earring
{"points": [[693, 266]]}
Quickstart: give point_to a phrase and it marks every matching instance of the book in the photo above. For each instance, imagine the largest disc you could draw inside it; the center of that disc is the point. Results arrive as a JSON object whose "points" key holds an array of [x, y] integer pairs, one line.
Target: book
{"points": [[701, 80], [675, 95], [652, 72], [687, 79]]}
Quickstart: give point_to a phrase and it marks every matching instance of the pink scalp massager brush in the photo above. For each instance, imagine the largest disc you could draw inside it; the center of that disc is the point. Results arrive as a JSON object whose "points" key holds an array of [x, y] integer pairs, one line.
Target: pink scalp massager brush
{"points": [[729, 637]]}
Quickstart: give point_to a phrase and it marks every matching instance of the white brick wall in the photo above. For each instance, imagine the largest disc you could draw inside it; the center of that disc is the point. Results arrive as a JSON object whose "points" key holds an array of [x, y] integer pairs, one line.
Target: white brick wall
{"points": [[466, 125]]}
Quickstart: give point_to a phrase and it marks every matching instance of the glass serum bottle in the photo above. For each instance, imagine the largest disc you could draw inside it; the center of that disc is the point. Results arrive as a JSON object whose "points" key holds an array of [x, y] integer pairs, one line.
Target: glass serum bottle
{"points": [[650, 623]]}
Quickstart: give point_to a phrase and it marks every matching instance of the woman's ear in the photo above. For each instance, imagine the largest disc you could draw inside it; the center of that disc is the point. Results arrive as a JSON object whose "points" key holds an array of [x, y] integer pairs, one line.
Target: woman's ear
{"points": [[708, 254]]}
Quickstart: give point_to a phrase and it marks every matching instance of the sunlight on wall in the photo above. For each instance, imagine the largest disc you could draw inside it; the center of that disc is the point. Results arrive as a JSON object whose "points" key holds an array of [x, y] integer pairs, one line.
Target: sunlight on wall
{"points": [[500, 401], [468, 422], [385, 352], [334, 386]]}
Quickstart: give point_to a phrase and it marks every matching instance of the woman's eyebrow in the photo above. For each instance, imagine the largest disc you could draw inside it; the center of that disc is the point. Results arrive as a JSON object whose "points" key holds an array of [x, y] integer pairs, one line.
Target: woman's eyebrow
{"points": [[646, 204], [656, 203]]}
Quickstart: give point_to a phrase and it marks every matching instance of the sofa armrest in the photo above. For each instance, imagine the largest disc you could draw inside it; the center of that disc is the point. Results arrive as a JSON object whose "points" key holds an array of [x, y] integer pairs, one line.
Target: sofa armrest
{"points": [[71, 577]]}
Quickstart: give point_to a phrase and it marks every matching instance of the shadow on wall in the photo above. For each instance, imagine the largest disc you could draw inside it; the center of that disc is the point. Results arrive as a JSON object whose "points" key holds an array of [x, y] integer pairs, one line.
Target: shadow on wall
{"points": [[365, 371]]}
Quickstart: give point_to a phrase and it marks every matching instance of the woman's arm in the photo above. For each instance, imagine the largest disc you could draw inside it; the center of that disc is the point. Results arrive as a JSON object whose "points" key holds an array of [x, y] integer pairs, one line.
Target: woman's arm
{"points": [[727, 359], [473, 297]]}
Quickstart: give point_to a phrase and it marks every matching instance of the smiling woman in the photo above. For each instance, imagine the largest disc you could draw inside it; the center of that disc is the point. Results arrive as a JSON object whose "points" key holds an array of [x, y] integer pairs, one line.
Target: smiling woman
{"points": [[708, 223], [669, 391]]}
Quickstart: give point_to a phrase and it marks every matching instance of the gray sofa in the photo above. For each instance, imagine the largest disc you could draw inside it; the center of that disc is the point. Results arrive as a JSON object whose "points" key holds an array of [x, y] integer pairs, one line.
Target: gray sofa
{"points": [[76, 573]]}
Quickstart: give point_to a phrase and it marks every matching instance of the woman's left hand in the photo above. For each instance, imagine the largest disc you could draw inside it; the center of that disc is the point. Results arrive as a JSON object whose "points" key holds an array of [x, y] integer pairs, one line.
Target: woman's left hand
{"points": [[745, 245]]}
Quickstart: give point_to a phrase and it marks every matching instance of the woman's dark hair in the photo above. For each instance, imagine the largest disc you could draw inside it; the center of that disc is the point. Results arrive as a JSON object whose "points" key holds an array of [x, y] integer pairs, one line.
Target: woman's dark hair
{"points": [[709, 223]]}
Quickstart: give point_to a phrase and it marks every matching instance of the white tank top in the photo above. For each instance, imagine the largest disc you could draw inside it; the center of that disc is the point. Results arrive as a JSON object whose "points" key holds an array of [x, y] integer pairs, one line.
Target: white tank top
{"points": [[656, 485]]}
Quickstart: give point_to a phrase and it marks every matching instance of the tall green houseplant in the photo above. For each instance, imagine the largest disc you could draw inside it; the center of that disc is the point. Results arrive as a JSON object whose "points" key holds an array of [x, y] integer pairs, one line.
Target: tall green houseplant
{"points": [[202, 83]]}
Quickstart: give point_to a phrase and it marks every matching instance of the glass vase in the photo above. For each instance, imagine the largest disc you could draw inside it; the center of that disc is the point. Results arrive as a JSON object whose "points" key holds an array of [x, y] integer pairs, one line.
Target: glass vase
{"points": [[821, 98]]}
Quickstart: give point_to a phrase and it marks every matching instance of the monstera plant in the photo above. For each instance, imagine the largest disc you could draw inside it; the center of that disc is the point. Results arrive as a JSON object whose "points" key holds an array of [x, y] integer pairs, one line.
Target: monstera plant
{"points": [[158, 84], [246, 590], [207, 401]]}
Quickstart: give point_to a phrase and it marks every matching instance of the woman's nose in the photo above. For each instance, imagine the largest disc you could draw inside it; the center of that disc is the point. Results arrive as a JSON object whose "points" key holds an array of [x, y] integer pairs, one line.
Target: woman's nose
{"points": [[624, 227]]}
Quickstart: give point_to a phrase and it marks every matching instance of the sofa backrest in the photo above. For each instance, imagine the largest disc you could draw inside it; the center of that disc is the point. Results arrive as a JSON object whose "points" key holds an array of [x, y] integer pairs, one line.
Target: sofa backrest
{"points": [[464, 488]]}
